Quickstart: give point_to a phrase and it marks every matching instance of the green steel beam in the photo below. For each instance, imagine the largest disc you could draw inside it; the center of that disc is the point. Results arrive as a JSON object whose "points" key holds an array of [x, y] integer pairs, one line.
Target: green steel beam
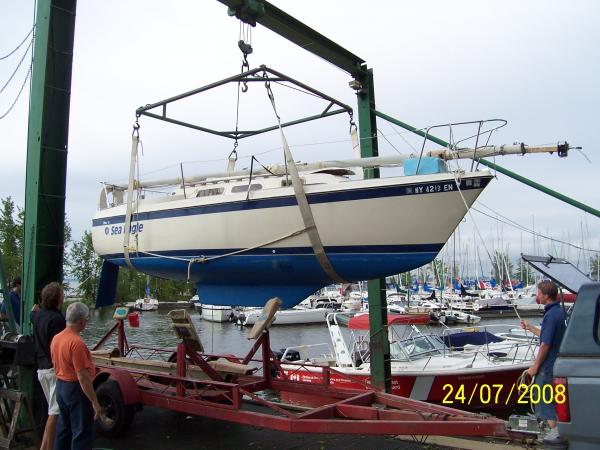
{"points": [[47, 150], [278, 21], [503, 170], [381, 374], [540, 187]]}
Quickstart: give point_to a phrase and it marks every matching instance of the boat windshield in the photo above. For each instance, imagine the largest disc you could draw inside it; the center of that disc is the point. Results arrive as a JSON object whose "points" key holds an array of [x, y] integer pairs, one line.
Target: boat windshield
{"points": [[416, 347]]}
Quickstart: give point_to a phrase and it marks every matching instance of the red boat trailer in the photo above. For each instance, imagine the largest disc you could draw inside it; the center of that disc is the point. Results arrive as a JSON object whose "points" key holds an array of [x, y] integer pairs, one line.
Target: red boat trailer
{"points": [[190, 381]]}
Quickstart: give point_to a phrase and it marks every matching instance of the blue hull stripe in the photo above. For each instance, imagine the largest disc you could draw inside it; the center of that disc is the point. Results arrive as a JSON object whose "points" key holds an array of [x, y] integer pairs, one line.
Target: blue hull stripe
{"points": [[348, 249], [326, 197], [251, 280]]}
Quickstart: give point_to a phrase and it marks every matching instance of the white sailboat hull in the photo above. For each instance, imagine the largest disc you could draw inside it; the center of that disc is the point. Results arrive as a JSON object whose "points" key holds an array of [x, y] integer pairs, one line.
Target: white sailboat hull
{"points": [[369, 228]]}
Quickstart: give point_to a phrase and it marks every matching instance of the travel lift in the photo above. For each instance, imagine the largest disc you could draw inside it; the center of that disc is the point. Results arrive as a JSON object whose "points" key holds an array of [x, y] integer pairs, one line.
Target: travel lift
{"points": [[47, 149]]}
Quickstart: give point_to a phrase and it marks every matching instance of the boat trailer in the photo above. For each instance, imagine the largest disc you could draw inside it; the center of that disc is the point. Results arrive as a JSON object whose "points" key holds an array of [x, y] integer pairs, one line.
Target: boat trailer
{"points": [[190, 381]]}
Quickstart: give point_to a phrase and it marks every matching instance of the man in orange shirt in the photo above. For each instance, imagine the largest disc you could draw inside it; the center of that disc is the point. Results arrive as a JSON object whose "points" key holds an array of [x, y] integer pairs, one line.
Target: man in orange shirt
{"points": [[74, 390]]}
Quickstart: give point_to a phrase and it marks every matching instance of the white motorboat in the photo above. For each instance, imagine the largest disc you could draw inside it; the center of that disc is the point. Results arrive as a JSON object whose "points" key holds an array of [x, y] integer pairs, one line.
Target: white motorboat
{"points": [[422, 365], [146, 304], [294, 316], [216, 313], [454, 316]]}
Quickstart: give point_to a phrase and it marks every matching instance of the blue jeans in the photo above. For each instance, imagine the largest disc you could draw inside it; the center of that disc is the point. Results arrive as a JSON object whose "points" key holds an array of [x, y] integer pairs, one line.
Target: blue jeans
{"points": [[544, 411], [75, 428]]}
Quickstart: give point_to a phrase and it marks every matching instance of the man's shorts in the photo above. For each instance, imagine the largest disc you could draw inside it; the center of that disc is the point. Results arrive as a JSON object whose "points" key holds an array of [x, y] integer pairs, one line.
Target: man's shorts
{"points": [[48, 381], [543, 410]]}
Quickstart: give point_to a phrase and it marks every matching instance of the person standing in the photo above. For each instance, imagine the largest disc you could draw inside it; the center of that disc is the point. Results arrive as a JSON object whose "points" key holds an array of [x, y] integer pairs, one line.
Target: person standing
{"points": [[74, 390], [47, 323], [15, 301], [551, 332]]}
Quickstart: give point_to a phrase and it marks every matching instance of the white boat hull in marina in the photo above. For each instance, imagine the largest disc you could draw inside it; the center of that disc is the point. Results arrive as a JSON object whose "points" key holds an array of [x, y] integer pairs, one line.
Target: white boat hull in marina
{"points": [[146, 304], [216, 313], [291, 316]]}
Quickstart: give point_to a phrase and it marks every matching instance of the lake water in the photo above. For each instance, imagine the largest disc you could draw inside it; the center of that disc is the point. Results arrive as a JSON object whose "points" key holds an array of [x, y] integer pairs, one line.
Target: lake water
{"points": [[219, 338]]}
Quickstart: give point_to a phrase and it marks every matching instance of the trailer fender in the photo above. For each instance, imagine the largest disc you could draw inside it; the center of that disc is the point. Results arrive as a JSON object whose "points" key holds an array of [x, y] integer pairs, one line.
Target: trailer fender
{"points": [[129, 388]]}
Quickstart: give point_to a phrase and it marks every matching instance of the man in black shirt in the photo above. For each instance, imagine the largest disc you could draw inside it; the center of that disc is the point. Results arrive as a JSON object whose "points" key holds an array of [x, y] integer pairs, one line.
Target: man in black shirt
{"points": [[47, 323]]}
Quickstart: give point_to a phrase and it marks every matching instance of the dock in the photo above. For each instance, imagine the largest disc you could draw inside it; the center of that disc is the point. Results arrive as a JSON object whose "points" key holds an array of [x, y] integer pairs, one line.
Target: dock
{"points": [[523, 310], [166, 305]]}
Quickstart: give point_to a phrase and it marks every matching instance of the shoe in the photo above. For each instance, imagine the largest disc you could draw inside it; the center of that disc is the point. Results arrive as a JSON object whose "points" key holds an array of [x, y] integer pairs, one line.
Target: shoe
{"points": [[552, 437]]}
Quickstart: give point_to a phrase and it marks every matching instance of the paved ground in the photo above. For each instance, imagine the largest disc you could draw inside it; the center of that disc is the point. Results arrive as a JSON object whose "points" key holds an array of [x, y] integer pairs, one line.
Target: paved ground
{"points": [[159, 429]]}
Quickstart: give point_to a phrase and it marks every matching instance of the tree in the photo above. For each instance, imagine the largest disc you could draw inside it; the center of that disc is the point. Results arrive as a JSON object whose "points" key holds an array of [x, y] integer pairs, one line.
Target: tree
{"points": [[10, 240], [441, 271], [595, 267], [500, 265], [528, 275], [12, 237], [85, 266]]}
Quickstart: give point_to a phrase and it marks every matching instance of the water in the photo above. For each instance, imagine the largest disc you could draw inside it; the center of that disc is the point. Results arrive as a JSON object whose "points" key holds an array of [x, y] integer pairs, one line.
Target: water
{"points": [[217, 338], [221, 338]]}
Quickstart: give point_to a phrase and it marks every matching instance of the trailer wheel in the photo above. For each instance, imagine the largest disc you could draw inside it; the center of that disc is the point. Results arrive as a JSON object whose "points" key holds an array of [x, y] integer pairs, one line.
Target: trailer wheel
{"points": [[116, 417]]}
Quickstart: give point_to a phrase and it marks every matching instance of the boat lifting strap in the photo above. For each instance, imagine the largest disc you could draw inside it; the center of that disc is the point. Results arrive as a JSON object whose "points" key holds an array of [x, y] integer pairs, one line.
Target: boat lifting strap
{"points": [[135, 139], [305, 211]]}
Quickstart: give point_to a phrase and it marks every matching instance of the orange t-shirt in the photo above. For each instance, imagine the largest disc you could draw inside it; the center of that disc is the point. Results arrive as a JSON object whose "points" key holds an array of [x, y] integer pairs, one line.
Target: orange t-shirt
{"points": [[70, 355]]}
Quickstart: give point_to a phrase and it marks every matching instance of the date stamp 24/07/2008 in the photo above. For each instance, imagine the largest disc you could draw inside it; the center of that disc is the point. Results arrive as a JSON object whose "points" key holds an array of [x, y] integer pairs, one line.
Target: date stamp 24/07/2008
{"points": [[492, 394]]}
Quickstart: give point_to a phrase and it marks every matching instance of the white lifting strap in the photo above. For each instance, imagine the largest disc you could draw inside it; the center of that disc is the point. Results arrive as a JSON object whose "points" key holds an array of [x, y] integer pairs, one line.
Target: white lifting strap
{"points": [[126, 232], [305, 211]]}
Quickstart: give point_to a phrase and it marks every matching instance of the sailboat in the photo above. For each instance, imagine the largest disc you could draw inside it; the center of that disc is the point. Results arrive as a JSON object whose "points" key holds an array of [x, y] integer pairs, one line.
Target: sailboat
{"points": [[242, 240], [147, 303], [286, 231]]}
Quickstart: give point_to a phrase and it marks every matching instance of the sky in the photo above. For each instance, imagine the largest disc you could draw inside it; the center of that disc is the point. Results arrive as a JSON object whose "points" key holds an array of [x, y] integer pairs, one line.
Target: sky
{"points": [[534, 64]]}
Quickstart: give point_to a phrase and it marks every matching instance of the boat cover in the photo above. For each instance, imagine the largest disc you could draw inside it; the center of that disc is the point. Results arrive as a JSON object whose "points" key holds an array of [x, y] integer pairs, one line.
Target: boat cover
{"points": [[459, 340]]}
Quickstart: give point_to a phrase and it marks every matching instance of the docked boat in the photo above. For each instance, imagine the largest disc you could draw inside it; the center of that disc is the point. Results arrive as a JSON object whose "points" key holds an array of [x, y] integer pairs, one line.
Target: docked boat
{"points": [[294, 316], [215, 313], [254, 243], [423, 366], [146, 304], [454, 316]]}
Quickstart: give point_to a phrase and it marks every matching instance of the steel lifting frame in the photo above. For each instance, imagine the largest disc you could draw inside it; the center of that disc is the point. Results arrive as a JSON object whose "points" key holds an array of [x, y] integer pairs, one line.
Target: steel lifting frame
{"points": [[262, 74]]}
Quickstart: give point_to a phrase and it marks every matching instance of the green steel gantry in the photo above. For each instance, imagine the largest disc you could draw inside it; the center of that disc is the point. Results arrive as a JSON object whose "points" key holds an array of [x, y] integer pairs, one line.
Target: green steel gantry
{"points": [[48, 133]]}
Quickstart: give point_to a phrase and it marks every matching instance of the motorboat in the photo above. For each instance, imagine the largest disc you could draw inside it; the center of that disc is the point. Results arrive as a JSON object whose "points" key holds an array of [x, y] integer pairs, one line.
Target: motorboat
{"points": [[216, 313], [293, 316], [146, 304], [454, 316], [423, 365], [253, 243]]}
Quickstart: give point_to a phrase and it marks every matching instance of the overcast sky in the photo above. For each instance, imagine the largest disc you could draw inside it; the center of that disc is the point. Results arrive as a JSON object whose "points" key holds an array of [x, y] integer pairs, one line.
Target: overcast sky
{"points": [[535, 64]]}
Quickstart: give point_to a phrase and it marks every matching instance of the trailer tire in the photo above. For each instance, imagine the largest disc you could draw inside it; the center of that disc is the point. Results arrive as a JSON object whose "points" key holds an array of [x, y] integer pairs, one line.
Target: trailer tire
{"points": [[116, 417]]}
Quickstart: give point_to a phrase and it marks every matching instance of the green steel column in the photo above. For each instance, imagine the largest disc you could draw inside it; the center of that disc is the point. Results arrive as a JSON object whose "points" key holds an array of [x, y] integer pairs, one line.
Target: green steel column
{"points": [[381, 374], [500, 169], [47, 149]]}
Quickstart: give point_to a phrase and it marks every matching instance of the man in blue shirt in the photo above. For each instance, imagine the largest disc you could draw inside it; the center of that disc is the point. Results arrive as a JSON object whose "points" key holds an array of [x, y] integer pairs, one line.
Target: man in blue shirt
{"points": [[550, 334], [15, 301]]}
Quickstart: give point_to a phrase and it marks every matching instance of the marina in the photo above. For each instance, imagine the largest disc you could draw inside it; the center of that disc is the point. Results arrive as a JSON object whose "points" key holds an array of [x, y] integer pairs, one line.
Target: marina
{"points": [[264, 257]]}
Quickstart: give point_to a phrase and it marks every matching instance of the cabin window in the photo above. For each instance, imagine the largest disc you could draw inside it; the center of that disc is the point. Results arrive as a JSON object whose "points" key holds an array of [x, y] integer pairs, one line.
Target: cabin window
{"points": [[244, 188], [209, 192]]}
